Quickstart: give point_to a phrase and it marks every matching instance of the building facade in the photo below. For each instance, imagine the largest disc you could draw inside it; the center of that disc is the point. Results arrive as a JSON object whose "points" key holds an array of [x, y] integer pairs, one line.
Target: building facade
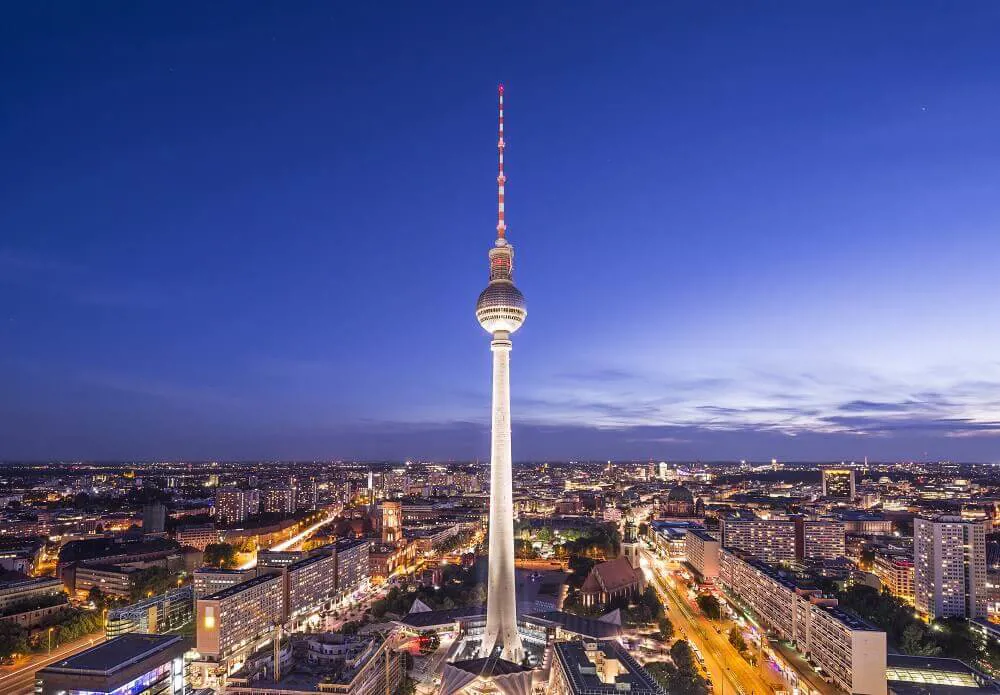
{"points": [[770, 540], [232, 621], [949, 567], [135, 664], [850, 650], [838, 483], [702, 551], [896, 574], [819, 539]]}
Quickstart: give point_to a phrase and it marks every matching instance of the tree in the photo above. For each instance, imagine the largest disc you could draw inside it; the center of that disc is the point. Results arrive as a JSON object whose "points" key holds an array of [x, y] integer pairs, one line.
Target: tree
{"points": [[666, 628], [736, 639], [96, 596], [682, 655], [710, 606], [220, 555]]}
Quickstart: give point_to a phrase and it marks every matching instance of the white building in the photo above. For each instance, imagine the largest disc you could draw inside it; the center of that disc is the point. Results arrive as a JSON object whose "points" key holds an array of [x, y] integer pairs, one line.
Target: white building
{"points": [[702, 551], [949, 567], [851, 651]]}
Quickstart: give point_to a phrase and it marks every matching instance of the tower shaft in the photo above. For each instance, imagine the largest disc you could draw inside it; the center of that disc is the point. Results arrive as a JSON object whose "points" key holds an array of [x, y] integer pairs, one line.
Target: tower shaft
{"points": [[501, 604]]}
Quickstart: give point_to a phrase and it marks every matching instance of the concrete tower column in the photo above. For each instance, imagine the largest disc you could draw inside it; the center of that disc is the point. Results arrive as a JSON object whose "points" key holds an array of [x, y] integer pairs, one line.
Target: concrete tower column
{"points": [[501, 606]]}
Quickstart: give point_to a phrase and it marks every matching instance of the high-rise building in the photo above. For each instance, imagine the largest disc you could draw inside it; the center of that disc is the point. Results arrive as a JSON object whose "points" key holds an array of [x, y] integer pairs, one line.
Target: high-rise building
{"points": [[838, 483], [232, 622], [819, 539], [233, 504], [154, 518], [770, 540], [501, 310], [309, 583], [278, 500], [949, 567], [210, 580], [353, 566]]}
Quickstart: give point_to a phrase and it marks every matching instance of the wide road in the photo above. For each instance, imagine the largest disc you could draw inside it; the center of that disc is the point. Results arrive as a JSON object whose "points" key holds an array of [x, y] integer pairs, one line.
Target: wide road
{"points": [[296, 539], [20, 679], [730, 672]]}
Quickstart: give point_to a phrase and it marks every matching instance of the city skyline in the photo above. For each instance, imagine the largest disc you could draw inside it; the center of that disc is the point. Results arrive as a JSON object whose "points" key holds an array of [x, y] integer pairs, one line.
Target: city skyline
{"points": [[783, 222]]}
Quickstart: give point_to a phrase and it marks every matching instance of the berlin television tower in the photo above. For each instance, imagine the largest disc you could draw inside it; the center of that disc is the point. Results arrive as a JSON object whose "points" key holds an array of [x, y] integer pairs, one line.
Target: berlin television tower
{"points": [[501, 311]]}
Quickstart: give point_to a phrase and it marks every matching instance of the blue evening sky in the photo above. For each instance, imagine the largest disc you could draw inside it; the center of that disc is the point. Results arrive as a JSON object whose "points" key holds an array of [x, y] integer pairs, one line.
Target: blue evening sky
{"points": [[258, 229]]}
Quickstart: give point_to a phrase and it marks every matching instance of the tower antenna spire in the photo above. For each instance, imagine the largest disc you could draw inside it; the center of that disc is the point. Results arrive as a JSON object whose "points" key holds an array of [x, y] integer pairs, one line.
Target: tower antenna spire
{"points": [[501, 179]]}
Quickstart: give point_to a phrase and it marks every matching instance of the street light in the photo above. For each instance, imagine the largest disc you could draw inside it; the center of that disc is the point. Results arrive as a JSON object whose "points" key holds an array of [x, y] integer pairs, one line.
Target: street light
{"points": [[50, 638]]}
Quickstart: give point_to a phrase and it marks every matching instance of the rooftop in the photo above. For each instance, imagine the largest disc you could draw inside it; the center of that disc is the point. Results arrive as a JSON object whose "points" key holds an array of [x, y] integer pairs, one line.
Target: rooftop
{"points": [[241, 587], [116, 654], [582, 672]]}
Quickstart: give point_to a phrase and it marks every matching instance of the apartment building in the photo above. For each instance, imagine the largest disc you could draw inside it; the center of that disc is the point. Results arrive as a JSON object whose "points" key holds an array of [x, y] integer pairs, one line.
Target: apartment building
{"points": [[896, 574], [209, 580], [851, 651], [819, 539], [236, 619], [309, 583], [949, 558], [353, 568], [770, 540]]}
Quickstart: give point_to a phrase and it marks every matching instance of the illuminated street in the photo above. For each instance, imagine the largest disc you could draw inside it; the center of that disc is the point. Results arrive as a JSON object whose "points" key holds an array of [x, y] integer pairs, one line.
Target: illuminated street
{"points": [[729, 671]]}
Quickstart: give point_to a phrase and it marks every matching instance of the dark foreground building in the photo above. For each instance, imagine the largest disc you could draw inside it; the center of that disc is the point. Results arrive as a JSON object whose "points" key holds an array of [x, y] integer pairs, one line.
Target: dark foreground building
{"points": [[133, 664]]}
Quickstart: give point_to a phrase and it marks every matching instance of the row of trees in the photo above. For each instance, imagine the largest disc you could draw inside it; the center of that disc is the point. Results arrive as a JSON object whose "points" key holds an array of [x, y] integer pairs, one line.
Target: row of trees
{"points": [[66, 626], [681, 677]]}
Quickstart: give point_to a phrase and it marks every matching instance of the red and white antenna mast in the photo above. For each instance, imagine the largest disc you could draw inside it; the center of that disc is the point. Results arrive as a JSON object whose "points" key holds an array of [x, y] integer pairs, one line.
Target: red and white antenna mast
{"points": [[501, 179]]}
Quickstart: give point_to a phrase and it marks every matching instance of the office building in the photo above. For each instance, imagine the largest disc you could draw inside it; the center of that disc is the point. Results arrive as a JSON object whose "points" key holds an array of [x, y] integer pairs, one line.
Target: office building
{"points": [[702, 552], [949, 567], [278, 559], [819, 539], [135, 664], [353, 568], [838, 483], [501, 310], [164, 612], [851, 651], [154, 518], [770, 540], [209, 580], [896, 574], [113, 581], [598, 668], [233, 621]]}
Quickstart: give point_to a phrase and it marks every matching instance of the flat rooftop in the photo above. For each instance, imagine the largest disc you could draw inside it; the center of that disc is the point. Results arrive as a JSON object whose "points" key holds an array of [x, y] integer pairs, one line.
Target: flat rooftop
{"points": [[115, 654], [241, 587], [584, 679]]}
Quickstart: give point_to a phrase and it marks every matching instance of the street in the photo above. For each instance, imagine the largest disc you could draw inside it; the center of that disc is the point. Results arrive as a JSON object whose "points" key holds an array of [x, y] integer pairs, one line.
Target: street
{"points": [[20, 679], [729, 671]]}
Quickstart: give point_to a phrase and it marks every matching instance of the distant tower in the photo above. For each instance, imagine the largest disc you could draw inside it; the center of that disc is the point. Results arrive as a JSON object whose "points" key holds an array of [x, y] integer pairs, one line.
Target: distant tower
{"points": [[630, 543], [501, 311]]}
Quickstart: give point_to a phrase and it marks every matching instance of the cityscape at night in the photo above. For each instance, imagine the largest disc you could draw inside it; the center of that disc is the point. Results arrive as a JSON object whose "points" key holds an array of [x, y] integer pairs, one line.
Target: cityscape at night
{"points": [[252, 441]]}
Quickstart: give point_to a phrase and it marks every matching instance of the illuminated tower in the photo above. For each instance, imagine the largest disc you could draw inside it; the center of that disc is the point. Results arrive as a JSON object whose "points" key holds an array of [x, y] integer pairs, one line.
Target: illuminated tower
{"points": [[501, 311]]}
